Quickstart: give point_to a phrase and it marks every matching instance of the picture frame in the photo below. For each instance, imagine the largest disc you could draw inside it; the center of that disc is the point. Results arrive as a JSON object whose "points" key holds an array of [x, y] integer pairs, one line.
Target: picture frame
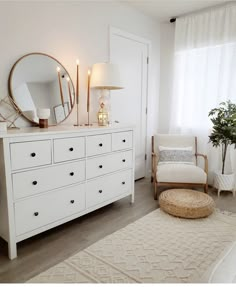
{"points": [[61, 112]]}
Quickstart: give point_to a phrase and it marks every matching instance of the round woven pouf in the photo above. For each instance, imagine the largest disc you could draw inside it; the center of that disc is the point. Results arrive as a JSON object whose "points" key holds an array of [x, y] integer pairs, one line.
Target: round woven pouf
{"points": [[186, 203]]}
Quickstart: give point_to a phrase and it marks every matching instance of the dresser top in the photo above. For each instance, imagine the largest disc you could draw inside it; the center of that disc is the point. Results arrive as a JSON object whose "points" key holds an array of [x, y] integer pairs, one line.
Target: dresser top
{"points": [[62, 129]]}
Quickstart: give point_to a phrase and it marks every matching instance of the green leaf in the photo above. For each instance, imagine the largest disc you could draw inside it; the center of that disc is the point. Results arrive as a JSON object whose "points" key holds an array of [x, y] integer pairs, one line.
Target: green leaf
{"points": [[223, 119]]}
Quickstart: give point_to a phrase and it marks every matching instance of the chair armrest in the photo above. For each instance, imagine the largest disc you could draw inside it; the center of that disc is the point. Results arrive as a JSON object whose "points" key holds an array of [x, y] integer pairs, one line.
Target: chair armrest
{"points": [[205, 160], [154, 164]]}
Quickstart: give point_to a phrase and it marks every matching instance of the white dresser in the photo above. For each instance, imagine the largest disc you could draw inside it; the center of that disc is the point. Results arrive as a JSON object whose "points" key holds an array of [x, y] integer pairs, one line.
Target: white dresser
{"points": [[50, 176]]}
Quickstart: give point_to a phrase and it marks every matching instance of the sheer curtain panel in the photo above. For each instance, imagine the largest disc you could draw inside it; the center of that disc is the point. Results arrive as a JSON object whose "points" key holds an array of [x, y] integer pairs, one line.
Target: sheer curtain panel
{"points": [[204, 74]]}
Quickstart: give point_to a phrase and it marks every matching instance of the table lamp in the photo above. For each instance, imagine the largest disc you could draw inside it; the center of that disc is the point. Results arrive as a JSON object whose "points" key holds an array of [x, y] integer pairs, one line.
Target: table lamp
{"points": [[105, 77]]}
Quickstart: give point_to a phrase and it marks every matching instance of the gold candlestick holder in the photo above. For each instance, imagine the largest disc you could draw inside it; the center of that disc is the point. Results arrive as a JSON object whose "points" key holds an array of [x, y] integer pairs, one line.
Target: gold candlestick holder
{"points": [[77, 115], [88, 123]]}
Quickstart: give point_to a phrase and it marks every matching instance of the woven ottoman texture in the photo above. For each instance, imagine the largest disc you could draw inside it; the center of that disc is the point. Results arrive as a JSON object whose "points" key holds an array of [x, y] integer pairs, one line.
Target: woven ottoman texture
{"points": [[186, 203]]}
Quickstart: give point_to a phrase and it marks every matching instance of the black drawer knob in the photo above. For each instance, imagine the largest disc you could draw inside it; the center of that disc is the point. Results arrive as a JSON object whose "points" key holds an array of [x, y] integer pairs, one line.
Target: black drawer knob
{"points": [[33, 154], [71, 173], [71, 149], [123, 160], [72, 201], [34, 182], [36, 214], [100, 144], [123, 182], [124, 141], [100, 166], [100, 191]]}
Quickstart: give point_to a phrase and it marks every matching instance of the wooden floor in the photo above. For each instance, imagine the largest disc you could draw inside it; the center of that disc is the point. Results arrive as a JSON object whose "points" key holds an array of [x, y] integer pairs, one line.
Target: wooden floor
{"points": [[49, 248], [39, 253]]}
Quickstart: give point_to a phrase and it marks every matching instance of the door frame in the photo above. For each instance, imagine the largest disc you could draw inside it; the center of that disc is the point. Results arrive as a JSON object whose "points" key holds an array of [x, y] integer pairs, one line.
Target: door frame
{"points": [[113, 31]]}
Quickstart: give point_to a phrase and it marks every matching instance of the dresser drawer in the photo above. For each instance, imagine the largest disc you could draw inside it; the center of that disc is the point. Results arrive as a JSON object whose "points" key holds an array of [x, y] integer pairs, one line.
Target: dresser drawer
{"points": [[122, 140], [41, 210], [98, 144], [40, 180], [30, 154], [108, 163], [108, 187], [68, 149]]}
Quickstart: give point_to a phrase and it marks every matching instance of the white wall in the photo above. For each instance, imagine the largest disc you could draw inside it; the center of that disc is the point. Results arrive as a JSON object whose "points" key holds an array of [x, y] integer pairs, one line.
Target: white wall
{"points": [[166, 76], [69, 30]]}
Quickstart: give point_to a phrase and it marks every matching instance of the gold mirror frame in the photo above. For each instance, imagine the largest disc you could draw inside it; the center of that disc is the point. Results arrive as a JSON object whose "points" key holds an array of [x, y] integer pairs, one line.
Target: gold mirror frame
{"points": [[11, 94]]}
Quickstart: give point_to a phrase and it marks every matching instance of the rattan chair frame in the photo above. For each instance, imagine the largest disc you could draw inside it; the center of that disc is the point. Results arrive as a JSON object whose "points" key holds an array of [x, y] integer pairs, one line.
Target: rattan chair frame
{"points": [[175, 184]]}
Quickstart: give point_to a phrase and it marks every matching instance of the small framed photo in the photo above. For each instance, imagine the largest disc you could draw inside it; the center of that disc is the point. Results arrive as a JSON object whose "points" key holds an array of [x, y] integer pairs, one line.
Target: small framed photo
{"points": [[61, 112]]}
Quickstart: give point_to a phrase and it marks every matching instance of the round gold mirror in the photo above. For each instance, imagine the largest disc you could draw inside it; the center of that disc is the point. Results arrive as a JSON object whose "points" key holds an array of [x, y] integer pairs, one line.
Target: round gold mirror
{"points": [[39, 81]]}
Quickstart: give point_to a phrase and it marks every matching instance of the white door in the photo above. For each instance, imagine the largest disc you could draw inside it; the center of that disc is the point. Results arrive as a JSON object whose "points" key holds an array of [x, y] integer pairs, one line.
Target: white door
{"points": [[129, 104]]}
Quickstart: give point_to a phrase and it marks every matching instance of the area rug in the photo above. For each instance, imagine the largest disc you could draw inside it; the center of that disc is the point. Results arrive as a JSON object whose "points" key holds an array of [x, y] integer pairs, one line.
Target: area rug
{"points": [[158, 248]]}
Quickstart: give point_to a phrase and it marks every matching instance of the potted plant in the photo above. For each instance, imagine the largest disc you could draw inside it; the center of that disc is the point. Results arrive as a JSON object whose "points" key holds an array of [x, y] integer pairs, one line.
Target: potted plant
{"points": [[223, 135]]}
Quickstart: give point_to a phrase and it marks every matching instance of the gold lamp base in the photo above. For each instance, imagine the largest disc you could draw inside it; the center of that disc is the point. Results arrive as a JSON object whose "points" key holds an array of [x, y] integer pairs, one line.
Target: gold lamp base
{"points": [[102, 116]]}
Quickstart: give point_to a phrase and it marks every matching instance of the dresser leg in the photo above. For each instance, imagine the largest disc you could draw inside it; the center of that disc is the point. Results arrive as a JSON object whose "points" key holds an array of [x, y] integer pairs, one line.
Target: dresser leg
{"points": [[12, 252]]}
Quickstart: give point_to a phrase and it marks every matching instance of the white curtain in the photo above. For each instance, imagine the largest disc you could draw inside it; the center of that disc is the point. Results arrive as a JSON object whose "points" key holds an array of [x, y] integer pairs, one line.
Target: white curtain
{"points": [[204, 75]]}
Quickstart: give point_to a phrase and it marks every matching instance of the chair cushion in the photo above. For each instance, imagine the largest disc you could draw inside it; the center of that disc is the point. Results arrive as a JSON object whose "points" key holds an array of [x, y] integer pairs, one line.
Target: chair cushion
{"points": [[168, 140], [183, 173]]}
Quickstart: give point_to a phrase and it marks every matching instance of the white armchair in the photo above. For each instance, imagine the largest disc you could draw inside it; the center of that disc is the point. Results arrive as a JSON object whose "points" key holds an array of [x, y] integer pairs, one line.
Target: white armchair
{"points": [[174, 162]]}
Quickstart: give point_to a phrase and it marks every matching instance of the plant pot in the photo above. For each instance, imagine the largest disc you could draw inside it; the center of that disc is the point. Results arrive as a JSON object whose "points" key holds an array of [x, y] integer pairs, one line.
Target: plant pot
{"points": [[224, 182]]}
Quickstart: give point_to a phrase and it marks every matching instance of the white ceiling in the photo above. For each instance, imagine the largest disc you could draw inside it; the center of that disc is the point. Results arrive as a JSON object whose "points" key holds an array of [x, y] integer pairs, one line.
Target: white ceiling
{"points": [[163, 10]]}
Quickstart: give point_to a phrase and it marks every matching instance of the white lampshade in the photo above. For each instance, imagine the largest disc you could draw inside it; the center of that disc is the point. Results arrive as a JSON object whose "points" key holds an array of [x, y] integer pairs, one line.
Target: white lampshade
{"points": [[105, 76]]}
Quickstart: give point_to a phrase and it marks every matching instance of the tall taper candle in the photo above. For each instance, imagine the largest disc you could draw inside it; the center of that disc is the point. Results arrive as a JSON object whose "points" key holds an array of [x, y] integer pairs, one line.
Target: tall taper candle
{"points": [[77, 81], [88, 94], [69, 90], [60, 86]]}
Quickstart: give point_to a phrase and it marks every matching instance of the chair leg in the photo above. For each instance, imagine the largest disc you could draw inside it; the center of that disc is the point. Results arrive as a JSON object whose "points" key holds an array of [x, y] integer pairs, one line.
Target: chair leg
{"points": [[206, 188], [155, 190]]}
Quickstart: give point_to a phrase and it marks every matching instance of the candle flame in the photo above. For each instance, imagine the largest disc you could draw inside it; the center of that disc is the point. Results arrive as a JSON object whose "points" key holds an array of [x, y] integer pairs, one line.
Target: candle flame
{"points": [[77, 62], [58, 69], [89, 72]]}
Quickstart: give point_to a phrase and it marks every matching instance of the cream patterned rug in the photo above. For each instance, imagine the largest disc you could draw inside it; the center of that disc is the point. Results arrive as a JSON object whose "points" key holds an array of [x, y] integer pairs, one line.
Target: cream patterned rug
{"points": [[157, 248]]}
